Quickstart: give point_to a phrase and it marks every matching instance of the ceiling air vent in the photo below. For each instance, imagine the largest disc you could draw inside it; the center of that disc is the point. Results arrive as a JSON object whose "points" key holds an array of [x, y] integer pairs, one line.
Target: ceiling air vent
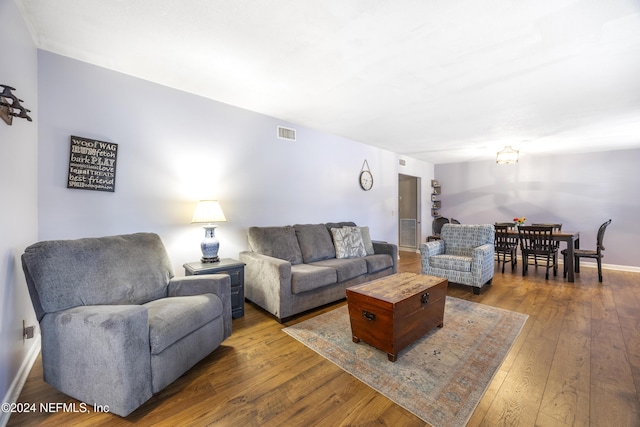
{"points": [[286, 133], [403, 162]]}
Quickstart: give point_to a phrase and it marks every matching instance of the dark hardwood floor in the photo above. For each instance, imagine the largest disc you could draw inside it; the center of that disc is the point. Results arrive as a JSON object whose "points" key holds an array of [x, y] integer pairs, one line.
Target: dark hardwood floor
{"points": [[576, 363]]}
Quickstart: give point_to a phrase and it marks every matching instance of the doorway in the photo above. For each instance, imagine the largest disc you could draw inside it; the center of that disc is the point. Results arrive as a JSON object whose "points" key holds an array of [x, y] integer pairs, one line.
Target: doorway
{"points": [[409, 212]]}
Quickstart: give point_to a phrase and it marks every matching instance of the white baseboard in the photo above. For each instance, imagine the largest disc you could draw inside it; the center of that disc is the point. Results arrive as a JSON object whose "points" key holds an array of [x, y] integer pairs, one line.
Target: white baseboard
{"points": [[629, 268], [21, 377]]}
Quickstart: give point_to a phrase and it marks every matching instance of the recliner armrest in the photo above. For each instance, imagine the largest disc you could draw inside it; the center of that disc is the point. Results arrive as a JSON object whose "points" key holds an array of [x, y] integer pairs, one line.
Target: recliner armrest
{"points": [[99, 354], [217, 284]]}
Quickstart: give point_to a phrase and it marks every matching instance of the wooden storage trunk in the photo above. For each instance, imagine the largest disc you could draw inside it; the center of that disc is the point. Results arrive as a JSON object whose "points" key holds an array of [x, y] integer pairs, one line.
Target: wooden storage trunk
{"points": [[393, 312]]}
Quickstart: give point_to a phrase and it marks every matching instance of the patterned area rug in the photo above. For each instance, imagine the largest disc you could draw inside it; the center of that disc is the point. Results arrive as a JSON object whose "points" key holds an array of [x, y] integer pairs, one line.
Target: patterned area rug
{"points": [[440, 378]]}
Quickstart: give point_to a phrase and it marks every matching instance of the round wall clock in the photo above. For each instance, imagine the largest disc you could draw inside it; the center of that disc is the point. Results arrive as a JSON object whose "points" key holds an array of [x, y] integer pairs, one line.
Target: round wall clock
{"points": [[366, 180]]}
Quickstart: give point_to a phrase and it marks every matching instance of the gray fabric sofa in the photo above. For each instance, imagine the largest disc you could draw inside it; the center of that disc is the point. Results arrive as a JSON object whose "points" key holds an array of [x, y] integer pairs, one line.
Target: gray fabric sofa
{"points": [[116, 326], [292, 269]]}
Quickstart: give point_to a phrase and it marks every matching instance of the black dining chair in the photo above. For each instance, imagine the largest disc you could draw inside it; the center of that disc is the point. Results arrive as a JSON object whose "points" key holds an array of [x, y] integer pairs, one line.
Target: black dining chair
{"points": [[536, 243], [556, 228], [505, 244], [586, 253], [436, 227]]}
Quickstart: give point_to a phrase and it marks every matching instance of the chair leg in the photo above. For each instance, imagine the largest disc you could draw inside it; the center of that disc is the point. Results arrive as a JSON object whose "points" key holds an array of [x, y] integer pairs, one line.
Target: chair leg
{"points": [[599, 269], [476, 290]]}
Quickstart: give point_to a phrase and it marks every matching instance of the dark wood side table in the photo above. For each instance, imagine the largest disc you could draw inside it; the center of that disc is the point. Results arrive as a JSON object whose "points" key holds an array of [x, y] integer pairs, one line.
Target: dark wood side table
{"points": [[235, 270]]}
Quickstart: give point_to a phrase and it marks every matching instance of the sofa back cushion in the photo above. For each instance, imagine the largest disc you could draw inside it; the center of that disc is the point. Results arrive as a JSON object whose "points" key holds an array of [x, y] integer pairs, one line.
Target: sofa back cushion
{"points": [[461, 239], [277, 242], [315, 242], [126, 269], [366, 238]]}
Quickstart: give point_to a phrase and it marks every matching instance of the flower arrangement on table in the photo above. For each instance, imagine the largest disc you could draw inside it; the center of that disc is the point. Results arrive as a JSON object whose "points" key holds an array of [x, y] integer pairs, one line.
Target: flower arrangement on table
{"points": [[519, 220]]}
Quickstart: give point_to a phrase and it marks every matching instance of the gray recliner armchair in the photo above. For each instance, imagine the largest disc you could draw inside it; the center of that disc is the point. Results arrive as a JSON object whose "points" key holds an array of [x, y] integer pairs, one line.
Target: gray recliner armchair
{"points": [[116, 326]]}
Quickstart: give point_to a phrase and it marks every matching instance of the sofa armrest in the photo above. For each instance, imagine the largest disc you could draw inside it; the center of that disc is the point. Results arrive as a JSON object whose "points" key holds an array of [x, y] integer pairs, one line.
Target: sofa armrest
{"points": [[267, 281], [217, 284], [389, 249], [99, 354]]}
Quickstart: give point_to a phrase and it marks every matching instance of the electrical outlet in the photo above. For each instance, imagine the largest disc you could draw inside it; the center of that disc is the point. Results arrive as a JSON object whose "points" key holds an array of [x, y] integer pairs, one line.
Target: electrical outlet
{"points": [[27, 331]]}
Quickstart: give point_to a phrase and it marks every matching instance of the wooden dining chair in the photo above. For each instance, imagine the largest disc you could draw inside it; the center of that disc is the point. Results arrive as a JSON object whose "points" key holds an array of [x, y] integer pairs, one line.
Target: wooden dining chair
{"points": [[556, 228], [436, 227], [505, 245], [586, 253], [536, 243]]}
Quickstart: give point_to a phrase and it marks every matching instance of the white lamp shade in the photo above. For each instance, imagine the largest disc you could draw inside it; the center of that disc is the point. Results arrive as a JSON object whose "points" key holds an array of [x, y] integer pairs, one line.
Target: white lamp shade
{"points": [[208, 211]]}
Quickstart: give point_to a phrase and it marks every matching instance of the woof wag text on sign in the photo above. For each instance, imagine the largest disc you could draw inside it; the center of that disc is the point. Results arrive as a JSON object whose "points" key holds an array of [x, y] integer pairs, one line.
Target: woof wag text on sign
{"points": [[92, 164]]}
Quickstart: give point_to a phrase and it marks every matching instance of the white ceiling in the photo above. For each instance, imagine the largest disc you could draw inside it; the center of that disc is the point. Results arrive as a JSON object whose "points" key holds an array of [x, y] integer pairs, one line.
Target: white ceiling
{"points": [[438, 80]]}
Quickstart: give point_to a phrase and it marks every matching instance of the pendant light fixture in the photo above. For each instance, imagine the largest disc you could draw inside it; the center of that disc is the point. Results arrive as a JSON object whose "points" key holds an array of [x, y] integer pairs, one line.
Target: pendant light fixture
{"points": [[506, 156]]}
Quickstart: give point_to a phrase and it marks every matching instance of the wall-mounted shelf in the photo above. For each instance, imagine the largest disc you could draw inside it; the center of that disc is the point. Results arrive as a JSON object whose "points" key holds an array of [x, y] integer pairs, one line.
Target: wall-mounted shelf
{"points": [[436, 204]]}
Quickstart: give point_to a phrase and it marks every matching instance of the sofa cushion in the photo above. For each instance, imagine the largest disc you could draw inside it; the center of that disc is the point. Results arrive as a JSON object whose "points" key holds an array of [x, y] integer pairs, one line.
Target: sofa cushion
{"points": [[305, 277], [315, 242], [346, 268], [277, 242], [173, 318], [348, 242], [378, 262], [366, 239], [451, 262]]}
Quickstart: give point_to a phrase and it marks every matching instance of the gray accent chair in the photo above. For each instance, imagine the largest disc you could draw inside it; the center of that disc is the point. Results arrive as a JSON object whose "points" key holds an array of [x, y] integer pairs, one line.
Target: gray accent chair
{"points": [[463, 255], [116, 326]]}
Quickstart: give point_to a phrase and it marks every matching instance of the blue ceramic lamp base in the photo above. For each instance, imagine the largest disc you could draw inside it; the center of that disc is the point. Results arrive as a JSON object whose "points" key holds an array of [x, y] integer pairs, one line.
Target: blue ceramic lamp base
{"points": [[210, 245]]}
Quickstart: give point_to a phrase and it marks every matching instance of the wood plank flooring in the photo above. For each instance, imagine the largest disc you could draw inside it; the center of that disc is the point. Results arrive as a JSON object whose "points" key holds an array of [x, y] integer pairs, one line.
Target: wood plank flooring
{"points": [[576, 363]]}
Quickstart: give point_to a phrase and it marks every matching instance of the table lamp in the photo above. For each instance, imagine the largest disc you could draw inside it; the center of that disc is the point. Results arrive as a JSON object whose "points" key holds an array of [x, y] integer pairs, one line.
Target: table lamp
{"points": [[207, 212]]}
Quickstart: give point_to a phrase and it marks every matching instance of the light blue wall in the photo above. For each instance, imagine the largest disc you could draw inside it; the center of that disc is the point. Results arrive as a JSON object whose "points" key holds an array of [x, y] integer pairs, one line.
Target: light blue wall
{"points": [[581, 191], [18, 194], [176, 148]]}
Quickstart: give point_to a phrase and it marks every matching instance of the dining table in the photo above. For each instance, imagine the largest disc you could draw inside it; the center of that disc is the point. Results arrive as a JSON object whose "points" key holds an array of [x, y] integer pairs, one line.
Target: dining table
{"points": [[572, 239]]}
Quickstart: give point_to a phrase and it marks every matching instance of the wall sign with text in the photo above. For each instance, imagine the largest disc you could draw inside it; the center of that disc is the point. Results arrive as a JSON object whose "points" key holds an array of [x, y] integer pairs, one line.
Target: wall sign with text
{"points": [[92, 164]]}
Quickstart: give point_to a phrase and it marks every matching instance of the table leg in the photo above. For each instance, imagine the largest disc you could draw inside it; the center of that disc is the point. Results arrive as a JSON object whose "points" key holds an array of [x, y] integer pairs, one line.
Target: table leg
{"points": [[577, 264]]}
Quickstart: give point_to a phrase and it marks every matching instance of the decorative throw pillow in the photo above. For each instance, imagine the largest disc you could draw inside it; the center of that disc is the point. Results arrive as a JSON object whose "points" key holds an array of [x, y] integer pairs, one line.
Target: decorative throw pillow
{"points": [[348, 242], [366, 239]]}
